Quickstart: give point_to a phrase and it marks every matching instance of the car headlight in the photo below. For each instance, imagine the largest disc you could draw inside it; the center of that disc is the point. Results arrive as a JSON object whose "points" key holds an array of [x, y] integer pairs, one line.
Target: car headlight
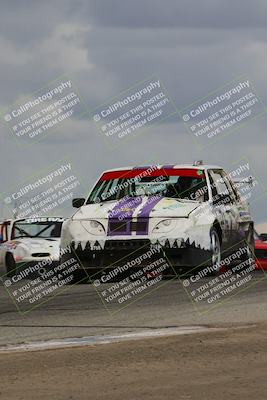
{"points": [[164, 226], [93, 227], [20, 253]]}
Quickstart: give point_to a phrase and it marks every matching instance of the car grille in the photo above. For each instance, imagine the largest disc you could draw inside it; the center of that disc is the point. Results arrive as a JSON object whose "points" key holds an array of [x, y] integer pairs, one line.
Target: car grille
{"points": [[126, 244], [126, 227]]}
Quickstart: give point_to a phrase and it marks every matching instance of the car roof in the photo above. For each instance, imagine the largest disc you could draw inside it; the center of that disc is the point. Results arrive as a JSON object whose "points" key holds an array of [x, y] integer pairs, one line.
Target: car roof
{"points": [[166, 166]]}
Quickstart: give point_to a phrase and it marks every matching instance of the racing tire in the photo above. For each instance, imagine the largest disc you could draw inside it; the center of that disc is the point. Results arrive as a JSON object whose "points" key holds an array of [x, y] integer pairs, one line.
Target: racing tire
{"points": [[10, 265], [215, 248]]}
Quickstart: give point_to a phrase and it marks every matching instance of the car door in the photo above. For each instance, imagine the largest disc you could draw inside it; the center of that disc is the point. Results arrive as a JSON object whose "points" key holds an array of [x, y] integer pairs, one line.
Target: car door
{"points": [[225, 206]]}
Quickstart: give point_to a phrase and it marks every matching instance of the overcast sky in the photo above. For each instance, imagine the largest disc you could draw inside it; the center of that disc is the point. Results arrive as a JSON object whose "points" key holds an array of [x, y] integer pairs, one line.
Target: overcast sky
{"points": [[106, 47]]}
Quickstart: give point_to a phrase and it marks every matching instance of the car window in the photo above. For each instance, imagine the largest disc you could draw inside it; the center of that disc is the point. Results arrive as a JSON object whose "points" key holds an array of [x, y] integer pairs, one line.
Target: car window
{"points": [[231, 187], [212, 185], [220, 183], [221, 191], [35, 228]]}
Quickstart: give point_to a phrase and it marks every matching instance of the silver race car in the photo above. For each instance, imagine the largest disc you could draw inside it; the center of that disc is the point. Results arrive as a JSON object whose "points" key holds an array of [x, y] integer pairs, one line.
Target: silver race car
{"points": [[29, 241]]}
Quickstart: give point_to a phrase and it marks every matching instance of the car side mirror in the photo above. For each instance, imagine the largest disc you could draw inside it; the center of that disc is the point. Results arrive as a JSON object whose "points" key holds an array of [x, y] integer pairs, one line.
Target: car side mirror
{"points": [[77, 203], [263, 237]]}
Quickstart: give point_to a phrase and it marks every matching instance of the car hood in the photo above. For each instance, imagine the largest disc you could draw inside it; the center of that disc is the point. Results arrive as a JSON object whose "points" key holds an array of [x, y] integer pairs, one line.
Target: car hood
{"points": [[41, 244], [153, 207]]}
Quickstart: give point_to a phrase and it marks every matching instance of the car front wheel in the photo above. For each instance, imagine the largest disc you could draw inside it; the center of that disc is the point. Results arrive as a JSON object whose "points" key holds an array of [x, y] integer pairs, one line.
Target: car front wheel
{"points": [[215, 248], [10, 265]]}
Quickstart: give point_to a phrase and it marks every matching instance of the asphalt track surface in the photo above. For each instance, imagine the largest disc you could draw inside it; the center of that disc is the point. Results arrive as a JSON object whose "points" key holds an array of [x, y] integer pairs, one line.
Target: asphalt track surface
{"points": [[79, 312]]}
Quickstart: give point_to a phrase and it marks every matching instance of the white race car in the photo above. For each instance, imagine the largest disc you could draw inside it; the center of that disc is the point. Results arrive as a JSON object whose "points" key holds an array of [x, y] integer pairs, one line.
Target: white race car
{"points": [[194, 212], [29, 241]]}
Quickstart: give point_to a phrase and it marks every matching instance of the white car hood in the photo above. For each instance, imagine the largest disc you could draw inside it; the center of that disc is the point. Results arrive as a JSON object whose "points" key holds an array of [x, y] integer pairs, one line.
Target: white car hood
{"points": [[40, 245], [159, 208]]}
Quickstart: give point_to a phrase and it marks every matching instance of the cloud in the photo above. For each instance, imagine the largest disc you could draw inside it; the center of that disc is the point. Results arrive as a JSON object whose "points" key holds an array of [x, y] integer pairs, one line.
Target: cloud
{"points": [[216, 14], [64, 47], [13, 55]]}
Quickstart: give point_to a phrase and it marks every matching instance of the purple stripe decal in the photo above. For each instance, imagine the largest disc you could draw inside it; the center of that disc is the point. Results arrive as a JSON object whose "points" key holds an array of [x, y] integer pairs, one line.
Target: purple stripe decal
{"points": [[122, 215], [143, 216]]}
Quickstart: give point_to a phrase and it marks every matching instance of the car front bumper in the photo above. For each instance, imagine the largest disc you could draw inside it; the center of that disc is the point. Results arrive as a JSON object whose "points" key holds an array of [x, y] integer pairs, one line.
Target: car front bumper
{"points": [[182, 255]]}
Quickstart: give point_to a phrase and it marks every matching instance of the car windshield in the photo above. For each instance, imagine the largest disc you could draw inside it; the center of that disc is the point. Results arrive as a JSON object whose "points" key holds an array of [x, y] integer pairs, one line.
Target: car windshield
{"points": [[184, 184], [47, 228]]}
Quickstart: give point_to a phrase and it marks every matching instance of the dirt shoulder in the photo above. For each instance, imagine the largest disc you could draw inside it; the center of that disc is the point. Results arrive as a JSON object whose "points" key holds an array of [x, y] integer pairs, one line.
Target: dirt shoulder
{"points": [[228, 364]]}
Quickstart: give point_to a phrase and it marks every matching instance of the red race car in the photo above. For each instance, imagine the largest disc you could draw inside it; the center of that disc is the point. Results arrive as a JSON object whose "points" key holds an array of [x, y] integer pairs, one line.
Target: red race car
{"points": [[261, 250]]}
